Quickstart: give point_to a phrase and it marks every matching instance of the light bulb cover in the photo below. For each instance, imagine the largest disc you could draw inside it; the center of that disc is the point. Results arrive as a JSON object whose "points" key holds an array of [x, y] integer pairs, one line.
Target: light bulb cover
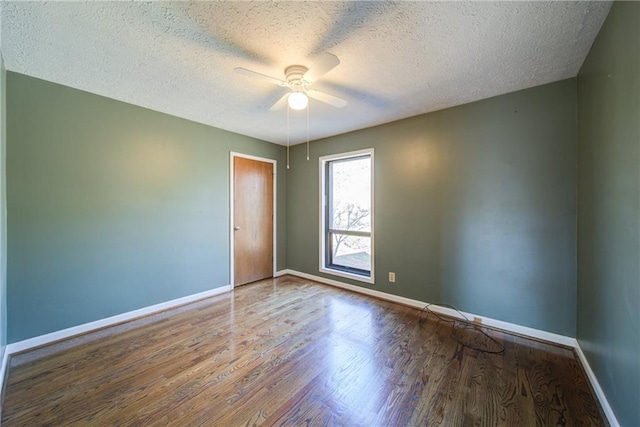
{"points": [[298, 101]]}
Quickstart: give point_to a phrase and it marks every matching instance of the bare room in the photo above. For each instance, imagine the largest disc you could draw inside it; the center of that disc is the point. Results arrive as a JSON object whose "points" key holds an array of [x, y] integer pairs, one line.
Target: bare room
{"points": [[365, 213]]}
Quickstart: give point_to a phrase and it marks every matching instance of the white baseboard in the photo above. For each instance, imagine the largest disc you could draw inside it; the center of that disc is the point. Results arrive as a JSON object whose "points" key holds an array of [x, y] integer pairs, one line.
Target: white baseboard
{"points": [[506, 326], [596, 387], [30, 343], [3, 369], [510, 327], [487, 321], [3, 372]]}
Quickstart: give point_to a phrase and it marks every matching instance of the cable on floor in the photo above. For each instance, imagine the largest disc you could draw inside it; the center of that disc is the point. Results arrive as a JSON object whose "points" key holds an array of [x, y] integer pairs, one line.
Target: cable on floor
{"points": [[458, 324]]}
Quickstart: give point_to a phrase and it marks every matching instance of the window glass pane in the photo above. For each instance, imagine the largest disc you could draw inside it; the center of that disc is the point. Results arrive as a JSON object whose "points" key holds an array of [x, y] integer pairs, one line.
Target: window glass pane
{"points": [[351, 251], [347, 215], [350, 196]]}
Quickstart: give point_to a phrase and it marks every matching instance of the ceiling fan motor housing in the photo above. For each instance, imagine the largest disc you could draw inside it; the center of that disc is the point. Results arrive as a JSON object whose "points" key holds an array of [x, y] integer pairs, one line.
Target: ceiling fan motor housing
{"points": [[294, 74]]}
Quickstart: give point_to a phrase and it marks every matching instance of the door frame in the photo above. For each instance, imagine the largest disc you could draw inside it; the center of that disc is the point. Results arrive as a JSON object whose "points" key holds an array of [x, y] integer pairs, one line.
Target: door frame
{"points": [[232, 156]]}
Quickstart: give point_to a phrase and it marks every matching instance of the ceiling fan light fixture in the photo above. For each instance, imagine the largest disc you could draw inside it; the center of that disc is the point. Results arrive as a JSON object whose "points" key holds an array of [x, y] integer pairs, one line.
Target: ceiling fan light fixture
{"points": [[298, 100]]}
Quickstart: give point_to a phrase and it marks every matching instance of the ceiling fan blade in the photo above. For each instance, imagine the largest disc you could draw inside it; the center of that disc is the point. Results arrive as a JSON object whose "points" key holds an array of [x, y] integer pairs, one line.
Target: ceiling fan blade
{"points": [[322, 66], [259, 76], [326, 98], [281, 103]]}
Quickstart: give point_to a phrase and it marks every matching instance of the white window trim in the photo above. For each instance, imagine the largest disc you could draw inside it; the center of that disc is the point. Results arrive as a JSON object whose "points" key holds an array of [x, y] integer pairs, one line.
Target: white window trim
{"points": [[322, 204]]}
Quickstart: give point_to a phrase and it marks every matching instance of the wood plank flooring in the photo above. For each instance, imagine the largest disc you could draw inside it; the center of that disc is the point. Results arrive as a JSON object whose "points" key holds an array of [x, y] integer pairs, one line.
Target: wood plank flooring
{"points": [[288, 351]]}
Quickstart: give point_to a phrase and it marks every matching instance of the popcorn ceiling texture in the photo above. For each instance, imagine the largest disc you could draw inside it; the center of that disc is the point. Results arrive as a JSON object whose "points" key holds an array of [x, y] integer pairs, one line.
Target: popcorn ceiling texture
{"points": [[398, 59]]}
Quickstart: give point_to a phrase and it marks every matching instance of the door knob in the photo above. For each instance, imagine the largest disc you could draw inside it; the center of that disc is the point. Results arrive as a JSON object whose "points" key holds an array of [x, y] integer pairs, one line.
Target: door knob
{"points": [[236, 228]]}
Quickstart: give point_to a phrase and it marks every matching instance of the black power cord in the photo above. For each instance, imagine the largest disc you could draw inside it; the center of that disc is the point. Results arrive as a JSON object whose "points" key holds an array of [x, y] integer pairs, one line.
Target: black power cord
{"points": [[461, 324]]}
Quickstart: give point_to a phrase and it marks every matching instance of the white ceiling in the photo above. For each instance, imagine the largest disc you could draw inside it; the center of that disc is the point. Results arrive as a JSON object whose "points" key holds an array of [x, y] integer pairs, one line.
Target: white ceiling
{"points": [[398, 59]]}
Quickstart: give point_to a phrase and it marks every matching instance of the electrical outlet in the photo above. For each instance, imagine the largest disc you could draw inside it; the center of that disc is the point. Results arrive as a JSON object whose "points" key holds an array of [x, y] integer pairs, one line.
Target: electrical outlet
{"points": [[392, 277]]}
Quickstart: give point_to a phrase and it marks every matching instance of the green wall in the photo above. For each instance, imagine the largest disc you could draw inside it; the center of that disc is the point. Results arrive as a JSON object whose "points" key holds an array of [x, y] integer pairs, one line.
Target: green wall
{"points": [[608, 328], [113, 207], [474, 206], [3, 210]]}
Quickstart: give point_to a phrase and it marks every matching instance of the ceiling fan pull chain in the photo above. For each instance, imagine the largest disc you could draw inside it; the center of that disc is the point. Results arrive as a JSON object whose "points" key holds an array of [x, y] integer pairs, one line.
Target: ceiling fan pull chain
{"points": [[287, 136], [307, 133]]}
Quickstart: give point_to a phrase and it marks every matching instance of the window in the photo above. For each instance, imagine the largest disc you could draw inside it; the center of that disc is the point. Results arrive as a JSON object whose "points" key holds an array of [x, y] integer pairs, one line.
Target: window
{"points": [[346, 224]]}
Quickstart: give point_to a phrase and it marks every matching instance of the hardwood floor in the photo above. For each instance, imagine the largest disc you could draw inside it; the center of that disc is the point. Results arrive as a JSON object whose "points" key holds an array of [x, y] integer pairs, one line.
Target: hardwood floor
{"points": [[288, 351]]}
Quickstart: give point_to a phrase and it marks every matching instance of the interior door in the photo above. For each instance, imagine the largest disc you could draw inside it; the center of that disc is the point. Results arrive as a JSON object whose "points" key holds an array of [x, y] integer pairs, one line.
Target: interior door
{"points": [[252, 220]]}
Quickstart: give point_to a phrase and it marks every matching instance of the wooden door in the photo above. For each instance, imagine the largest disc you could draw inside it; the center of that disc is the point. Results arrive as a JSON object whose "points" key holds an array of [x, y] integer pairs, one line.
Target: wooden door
{"points": [[252, 220]]}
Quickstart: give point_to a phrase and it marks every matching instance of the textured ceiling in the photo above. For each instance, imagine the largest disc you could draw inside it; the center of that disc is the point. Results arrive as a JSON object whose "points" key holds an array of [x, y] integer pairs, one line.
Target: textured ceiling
{"points": [[398, 59]]}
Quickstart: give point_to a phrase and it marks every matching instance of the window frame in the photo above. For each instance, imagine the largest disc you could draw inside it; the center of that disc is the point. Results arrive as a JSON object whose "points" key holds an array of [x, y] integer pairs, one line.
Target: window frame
{"points": [[325, 232]]}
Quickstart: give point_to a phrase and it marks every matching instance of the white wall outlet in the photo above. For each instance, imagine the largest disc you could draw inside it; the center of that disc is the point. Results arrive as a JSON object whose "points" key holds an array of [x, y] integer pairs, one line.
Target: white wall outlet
{"points": [[392, 277]]}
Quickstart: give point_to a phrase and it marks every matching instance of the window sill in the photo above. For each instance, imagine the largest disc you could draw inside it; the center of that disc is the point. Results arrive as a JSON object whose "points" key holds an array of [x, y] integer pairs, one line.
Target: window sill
{"points": [[347, 275]]}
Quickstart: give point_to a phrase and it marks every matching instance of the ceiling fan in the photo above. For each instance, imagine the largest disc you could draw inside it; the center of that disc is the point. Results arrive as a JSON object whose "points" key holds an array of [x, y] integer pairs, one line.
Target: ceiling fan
{"points": [[298, 78]]}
